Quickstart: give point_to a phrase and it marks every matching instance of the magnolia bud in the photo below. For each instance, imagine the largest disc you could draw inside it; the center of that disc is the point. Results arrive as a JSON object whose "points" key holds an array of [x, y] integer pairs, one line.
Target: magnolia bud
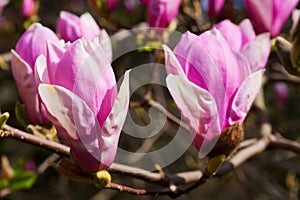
{"points": [[284, 52], [228, 141], [295, 52], [3, 118], [103, 178]]}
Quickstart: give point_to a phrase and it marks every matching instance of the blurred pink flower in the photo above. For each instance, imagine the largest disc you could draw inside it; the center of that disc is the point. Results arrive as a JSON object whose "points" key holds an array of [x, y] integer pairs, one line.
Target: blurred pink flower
{"points": [[269, 15], [215, 7], [145, 2], [242, 39], [212, 86], [112, 5], [162, 12], [281, 91], [130, 5], [3, 3], [27, 8], [29, 165], [78, 89], [71, 27], [31, 44]]}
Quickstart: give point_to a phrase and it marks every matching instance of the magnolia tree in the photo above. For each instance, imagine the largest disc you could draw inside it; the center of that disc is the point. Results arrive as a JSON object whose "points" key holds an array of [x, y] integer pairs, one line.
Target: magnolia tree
{"points": [[152, 97]]}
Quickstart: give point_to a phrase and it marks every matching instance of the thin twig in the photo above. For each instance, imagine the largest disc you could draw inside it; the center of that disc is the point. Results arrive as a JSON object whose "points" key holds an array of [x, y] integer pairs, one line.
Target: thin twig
{"points": [[9, 131], [281, 143], [169, 115], [46, 162], [173, 180]]}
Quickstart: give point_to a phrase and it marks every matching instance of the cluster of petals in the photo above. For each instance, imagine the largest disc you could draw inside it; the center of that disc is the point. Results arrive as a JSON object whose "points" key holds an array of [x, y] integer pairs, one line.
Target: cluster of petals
{"points": [[161, 12], [27, 8], [269, 15], [214, 78], [72, 84]]}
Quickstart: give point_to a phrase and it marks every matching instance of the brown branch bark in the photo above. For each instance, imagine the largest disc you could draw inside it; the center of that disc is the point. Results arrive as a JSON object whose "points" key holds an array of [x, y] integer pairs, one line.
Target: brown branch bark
{"points": [[173, 183], [9, 131]]}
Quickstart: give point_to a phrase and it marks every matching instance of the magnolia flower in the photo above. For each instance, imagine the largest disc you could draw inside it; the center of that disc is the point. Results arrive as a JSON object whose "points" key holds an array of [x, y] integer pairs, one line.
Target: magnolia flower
{"points": [[269, 15], [215, 7], [212, 86], [242, 39], [161, 12], [27, 8], [71, 27], [31, 44], [78, 89]]}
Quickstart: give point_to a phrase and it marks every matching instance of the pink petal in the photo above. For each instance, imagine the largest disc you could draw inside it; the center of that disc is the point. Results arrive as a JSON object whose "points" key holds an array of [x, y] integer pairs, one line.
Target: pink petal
{"points": [[232, 34], [90, 28], [41, 72], [200, 67], [171, 62], [257, 51], [198, 108], [245, 96], [54, 54], [248, 32], [89, 75], [69, 26], [104, 41], [261, 14], [281, 11], [162, 12], [215, 7], [24, 78], [27, 8], [33, 42], [75, 123], [113, 124]]}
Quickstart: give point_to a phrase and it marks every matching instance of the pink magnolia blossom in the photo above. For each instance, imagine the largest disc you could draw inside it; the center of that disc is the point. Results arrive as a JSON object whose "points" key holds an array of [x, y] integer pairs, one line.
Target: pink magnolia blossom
{"points": [[162, 12], [242, 39], [269, 15], [71, 27], [78, 89], [27, 8], [212, 86], [215, 7], [31, 44]]}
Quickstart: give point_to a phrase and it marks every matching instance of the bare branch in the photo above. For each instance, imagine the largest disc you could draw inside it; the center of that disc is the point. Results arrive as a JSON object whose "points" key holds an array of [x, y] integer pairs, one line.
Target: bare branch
{"points": [[173, 184], [281, 143], [9, 131]]}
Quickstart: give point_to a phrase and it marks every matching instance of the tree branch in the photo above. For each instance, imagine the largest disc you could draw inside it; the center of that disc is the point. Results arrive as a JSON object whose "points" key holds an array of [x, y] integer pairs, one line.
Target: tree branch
{"points": [[173, 183], [9, 131]]}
